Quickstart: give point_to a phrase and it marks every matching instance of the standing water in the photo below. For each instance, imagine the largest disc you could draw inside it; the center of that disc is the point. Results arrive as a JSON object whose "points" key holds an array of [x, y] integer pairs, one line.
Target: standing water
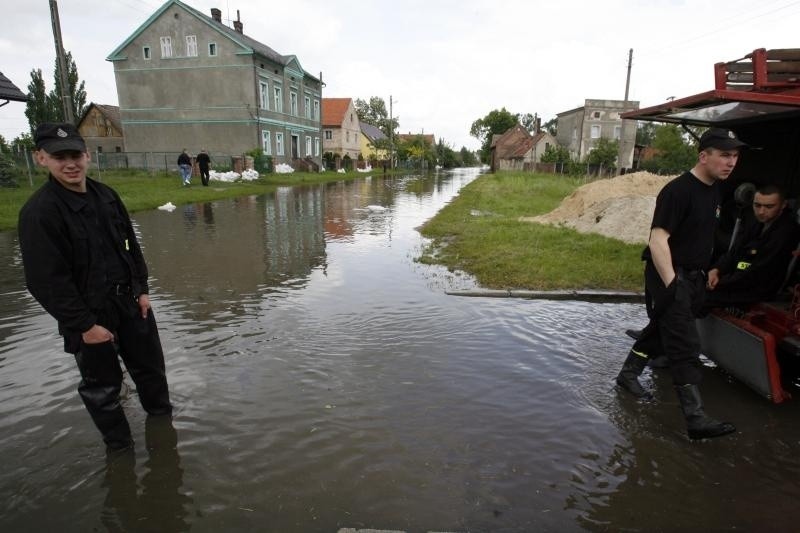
{"points": [[323, 380]]}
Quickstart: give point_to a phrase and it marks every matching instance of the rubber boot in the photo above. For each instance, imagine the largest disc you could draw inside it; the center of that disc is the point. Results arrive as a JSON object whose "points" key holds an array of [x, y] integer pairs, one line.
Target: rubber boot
{"points": [[659, 361], [628, 377], [698, 425]]}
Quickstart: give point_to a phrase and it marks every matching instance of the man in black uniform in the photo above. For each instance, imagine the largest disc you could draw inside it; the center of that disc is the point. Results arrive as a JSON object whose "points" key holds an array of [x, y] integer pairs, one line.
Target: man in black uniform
{"points": [[203, 162], [754, 269], [680, 247], [83, 264]]}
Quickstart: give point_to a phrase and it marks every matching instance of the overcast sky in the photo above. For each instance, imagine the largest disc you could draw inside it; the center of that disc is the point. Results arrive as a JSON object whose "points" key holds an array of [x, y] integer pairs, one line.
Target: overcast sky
{"points": [[445, 63]]}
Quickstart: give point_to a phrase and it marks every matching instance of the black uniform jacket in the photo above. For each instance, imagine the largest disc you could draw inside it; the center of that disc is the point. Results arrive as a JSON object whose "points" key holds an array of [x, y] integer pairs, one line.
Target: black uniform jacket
{"points": [[65, 269], [757, 264]]}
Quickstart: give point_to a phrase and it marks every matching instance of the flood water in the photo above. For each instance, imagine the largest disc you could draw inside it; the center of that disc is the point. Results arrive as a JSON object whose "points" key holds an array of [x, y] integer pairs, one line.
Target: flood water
{"points": [[323, 380]]}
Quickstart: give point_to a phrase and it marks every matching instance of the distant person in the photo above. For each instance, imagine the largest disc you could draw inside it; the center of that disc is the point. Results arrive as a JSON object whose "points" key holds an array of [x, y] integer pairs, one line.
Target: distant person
{"points": [[185, 167], [754, 269], [83, 264], [204, 162], [680, 247]]}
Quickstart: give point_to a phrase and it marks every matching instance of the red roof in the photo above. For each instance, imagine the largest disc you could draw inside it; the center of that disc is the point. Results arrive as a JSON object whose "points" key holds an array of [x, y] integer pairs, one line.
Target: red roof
{"points": [[333, 110]]}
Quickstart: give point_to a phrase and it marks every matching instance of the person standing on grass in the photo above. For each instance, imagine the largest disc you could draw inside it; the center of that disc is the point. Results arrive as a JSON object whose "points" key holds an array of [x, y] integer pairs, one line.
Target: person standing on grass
{"points": [[83, 264], [185, 166], [203, 161], [680, 249]]}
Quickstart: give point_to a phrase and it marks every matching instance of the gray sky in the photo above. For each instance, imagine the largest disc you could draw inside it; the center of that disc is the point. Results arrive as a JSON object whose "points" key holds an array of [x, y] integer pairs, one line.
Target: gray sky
{"points": [[445, 63]]}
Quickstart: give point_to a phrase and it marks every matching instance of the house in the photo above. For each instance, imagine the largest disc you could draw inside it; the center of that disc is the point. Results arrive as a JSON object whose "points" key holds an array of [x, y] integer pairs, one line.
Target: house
{"points": [[429, 139], [101, 128], [516, 149], [341, 131], [370, 136], [10, 92], [579, 129], [186, 80]]}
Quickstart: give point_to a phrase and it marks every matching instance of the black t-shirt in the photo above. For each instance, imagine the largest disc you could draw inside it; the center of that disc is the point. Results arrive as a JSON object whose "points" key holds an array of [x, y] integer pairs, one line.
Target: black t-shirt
{"points": [[688, 210]]}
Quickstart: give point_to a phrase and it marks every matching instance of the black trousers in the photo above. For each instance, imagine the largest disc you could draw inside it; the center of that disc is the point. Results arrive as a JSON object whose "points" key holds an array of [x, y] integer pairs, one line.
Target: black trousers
{"points": [[204, 175], [671, 329], [138, 344]]}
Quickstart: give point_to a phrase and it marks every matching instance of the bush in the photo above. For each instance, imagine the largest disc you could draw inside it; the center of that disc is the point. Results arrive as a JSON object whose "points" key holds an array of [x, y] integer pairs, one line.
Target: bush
{"points": [[7, 172]]}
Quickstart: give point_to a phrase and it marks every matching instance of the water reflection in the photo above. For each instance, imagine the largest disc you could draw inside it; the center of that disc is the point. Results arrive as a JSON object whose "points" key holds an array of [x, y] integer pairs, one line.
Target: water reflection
{"points": [[157, 503]]}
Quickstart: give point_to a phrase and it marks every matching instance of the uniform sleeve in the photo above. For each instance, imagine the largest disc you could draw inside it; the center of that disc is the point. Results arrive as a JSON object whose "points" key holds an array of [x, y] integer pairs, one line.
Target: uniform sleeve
{"points": [[47, 257], [669, 211]]}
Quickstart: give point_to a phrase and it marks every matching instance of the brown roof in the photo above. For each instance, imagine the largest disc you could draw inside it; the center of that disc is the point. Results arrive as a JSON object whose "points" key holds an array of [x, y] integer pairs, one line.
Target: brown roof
{"points": [[515, 142], [333, 110]]}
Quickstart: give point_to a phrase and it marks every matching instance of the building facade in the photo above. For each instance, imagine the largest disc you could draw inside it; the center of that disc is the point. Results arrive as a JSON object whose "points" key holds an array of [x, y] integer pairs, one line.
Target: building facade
{"points": [[101, 129], [516, 149], [341, 130], [186, 80], [579, 129]]}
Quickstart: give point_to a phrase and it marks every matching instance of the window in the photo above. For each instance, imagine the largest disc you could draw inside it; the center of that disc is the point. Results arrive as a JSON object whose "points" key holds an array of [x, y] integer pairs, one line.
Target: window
{"points": [[191, 46], [146, 52], [212, 49], [278, 99], [328, 135], [617, 132], [316, 110], [264, 94], [166, 46], [596, 114], [308, 145], [348, 136], [279, 143], [307, 107], [595, 132], [266, 142], [293, 103], [316, 146]]}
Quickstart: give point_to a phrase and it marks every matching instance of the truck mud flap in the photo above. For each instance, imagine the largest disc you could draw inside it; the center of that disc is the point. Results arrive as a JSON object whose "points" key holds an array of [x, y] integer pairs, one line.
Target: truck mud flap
{"points": [[744, 351]]}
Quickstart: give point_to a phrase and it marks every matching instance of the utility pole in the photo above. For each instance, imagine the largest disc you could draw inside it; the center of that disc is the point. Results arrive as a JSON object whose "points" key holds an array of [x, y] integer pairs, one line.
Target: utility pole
{"points": [[391, 136], [66, 97], [622, 144]]}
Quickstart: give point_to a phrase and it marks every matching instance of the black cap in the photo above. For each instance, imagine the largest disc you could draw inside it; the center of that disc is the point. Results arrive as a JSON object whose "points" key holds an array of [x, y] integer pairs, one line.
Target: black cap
{"points": [[721, 139], [54, 137]]}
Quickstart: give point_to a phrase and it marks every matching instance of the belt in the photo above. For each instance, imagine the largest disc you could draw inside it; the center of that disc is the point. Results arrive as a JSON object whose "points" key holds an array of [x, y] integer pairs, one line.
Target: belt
{"points": [[121, 288], [690, 274]]}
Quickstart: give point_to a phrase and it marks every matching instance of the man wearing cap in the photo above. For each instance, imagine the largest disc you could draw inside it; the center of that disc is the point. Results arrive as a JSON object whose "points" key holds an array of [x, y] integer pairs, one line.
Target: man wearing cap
{"points": [[83, 264], [680, 248]]}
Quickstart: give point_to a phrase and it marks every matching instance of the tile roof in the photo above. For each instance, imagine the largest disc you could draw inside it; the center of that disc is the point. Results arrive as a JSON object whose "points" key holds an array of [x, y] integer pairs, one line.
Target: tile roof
{"points": [[333, 110], [514, 143], [9, 91]]}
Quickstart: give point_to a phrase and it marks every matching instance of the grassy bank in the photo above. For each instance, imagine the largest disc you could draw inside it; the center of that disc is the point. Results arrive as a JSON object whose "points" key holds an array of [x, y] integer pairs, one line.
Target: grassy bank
{"points": [[142, 190], [479, 233]]}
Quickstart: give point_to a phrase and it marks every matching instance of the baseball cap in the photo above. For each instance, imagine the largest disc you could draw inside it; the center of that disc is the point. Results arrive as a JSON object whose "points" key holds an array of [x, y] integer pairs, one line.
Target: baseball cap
{"points": [[54, 137], [721, 139]]}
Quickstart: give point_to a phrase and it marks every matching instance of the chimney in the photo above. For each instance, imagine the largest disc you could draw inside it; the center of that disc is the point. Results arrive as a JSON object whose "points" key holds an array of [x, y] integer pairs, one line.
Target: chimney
{"points": [[216, 14], [237, 24]]}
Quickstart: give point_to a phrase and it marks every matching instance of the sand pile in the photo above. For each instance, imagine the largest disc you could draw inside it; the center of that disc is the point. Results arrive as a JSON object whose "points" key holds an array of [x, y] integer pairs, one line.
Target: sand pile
{"points": [[621, 207]]}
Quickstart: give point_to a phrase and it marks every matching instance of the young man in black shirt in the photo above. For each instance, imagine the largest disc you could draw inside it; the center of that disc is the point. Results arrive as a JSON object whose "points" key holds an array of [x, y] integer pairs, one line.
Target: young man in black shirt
{"points": [[83, 264], [680, 248]]}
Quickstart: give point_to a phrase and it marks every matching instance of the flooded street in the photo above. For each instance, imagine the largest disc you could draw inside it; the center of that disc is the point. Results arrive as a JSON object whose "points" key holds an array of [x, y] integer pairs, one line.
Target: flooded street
{"points": [[322, 380]]}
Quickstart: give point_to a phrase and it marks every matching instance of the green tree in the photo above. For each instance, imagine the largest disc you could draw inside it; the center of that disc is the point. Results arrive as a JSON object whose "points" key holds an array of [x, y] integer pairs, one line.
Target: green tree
{"points": [[674, 152], [446, 156], [40, 107], [527, 121], [374, 112], [417, 150], [468, 158], [604, 153], [75, 89], [551, 126], [555, 154], [22, 143], [645, 133], [495, 123]]}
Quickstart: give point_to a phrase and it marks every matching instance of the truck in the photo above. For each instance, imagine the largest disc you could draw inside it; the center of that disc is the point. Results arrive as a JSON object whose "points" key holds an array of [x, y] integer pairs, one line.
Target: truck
{"points": [[758, 97]]}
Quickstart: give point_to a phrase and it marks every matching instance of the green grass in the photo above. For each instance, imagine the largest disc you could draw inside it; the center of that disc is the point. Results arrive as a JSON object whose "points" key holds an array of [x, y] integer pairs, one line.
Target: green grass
{"points": [[141, 190], [479, 233]]}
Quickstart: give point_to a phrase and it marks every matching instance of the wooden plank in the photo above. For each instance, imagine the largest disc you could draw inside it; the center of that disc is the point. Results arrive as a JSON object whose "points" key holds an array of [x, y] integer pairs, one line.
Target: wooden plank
{"points": [[791, 54]]}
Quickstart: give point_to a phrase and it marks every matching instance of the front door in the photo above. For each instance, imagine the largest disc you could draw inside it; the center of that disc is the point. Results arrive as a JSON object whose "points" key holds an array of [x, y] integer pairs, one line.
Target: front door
{"points": [[295, 146]]}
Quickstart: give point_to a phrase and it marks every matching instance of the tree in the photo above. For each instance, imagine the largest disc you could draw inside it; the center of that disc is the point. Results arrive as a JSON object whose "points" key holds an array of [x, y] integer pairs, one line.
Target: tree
{"points": [[495, 123], [374, 112], [468, 158], [40, 107], [527, 121], [75, 89], [446, 156], [674, 153], [604, 153], [4, 147], [645, 133], [551, 126], [555, 154]]}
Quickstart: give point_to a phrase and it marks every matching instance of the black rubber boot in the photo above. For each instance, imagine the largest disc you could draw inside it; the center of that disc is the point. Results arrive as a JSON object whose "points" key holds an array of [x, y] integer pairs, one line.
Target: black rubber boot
{"points": [[659, 361], [698, 425], [628, 376]]}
